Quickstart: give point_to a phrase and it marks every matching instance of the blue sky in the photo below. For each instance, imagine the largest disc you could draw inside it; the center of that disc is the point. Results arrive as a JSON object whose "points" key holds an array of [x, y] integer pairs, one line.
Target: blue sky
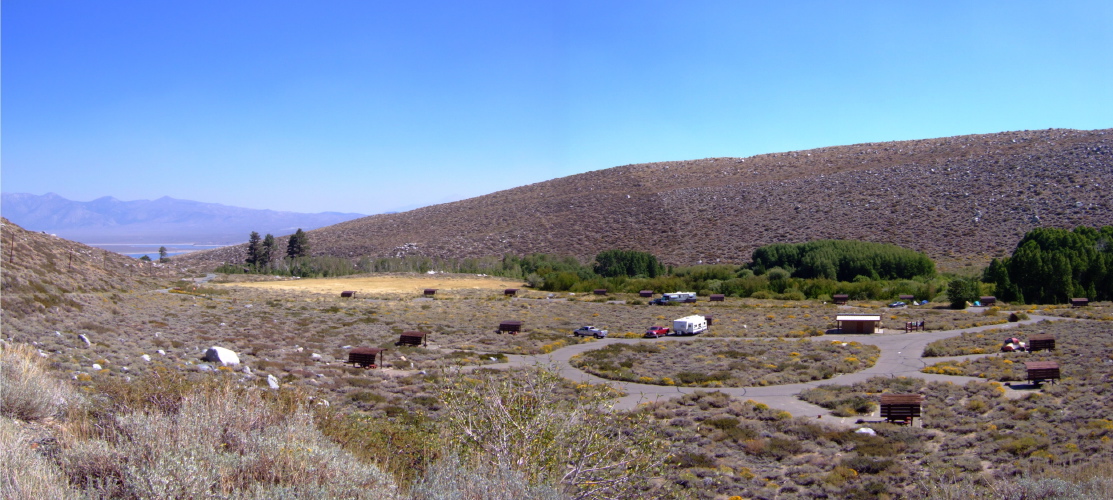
{"points": [[369, 106]]}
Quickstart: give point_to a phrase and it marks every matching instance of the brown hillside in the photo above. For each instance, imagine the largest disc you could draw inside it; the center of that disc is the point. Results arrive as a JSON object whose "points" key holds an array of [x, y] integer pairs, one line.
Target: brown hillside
{"points": [[45, 274], [956, 198]]}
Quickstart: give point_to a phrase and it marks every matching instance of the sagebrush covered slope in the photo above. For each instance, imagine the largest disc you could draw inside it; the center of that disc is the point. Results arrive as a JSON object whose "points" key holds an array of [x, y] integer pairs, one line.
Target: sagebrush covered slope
{"points": [[955, 198], [43, 274]]}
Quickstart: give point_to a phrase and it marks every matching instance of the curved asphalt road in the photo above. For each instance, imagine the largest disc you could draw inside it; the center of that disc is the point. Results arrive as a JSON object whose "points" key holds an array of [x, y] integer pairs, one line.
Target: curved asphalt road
{"points": [[900, 356]]}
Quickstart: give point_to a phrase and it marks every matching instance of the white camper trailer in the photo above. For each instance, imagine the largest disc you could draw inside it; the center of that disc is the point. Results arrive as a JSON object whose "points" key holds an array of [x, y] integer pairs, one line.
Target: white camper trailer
{"points": [[689, 325]]}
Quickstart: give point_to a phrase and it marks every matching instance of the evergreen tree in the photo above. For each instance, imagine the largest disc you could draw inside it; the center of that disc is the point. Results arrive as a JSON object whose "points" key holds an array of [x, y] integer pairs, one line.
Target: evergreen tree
{"points": [[298, 245], [162, 255], [253, 249], [266, 254]]}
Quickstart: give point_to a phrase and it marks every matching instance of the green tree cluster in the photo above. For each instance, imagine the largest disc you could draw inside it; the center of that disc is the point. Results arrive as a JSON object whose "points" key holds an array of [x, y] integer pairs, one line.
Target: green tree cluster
{"points": [[632, 263], [262, 251], [843, 260], [960, 291], [1052, 266]]}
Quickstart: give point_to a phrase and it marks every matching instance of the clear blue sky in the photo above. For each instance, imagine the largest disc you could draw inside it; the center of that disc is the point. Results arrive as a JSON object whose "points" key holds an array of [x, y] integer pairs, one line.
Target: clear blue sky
{"points": [[361, 106]]}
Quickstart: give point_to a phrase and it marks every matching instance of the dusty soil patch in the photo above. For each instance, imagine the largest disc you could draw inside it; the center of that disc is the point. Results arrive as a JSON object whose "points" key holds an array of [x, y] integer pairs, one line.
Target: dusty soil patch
{"points": [[391, 284]]}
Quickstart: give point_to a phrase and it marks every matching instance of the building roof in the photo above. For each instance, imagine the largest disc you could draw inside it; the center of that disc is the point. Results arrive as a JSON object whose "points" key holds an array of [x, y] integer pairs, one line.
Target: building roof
{"points": [[858, 317]]}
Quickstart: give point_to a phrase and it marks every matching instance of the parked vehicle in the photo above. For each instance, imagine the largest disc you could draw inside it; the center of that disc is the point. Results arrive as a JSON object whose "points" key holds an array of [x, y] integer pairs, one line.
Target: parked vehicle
{"points": [[656, 332], [589, 331], [674, 298], [897, 304], [689, 325]]}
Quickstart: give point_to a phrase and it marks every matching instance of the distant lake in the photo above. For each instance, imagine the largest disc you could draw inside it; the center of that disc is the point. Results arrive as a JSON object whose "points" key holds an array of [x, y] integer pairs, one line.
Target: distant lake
{"points": [[138, 250]]}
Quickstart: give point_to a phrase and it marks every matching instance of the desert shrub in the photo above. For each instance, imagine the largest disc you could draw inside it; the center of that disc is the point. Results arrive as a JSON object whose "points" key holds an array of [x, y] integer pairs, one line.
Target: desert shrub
{"points": [[867, 465], [690, 459], [1008, 367], [450, 478], [737, 363], [523, 421], [27, 391], [220, 441], [367, 397], [967, 343], [27, 474]]}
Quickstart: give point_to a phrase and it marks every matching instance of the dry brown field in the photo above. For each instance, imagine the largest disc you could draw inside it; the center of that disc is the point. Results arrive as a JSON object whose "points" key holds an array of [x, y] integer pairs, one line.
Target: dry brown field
{"points": [[391, 285]]}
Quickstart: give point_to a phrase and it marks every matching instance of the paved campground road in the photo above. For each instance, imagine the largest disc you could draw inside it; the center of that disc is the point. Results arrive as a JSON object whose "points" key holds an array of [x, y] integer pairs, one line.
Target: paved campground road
{"points": [[900, 356]]}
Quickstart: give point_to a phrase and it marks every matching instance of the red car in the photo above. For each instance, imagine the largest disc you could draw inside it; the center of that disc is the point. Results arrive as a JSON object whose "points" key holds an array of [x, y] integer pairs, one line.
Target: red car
{"points": [[656, 332]]}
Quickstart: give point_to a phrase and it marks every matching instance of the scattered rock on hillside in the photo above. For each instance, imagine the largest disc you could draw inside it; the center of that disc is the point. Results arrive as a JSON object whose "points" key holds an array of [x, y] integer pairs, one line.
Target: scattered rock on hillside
{"points": [[221, 355]]}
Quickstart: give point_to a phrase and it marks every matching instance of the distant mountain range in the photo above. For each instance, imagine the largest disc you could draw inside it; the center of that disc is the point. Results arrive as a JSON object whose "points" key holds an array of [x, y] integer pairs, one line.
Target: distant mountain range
{"points": [[962, 200], [165, 220]]}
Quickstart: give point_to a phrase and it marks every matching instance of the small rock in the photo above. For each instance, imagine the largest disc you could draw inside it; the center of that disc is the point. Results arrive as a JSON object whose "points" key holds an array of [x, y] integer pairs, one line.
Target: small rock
{"points": [[158, 333], [247, 369], [57, 334], [161, 352], [204, 368], [85, 339], [96, 366], [867, 431], [315, 357], [146, 357], [272, 381]]}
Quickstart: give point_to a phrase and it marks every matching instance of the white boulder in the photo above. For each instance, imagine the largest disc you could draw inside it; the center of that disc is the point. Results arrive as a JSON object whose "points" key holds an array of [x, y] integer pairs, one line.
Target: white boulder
{"points": [[221, 355], [146, 357], [84, 339], [272, 381], [867, 431]]}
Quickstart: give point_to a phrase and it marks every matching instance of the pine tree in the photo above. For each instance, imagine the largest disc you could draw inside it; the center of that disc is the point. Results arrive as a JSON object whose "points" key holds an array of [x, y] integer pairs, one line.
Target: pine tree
{"points": [[298, 245], [253, 249], [162, 255], [266, 254]]}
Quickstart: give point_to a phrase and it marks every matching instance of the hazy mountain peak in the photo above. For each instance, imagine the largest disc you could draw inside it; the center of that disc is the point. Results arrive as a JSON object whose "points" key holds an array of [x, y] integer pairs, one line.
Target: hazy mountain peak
{"points": [[110, 220]]}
